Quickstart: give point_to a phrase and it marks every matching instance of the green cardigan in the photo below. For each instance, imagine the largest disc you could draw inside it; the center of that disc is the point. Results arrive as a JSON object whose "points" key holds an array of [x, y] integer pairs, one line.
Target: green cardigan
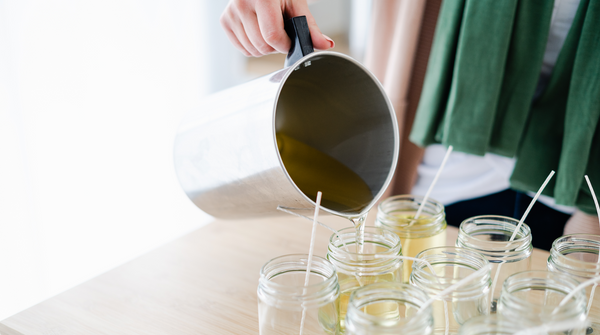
{"points": [[479, 90]]}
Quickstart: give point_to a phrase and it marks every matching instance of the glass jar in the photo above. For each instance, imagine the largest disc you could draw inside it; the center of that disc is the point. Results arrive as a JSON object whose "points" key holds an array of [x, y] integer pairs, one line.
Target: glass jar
{"points": [[532, 297], [577, 256], [285, 305], [388, 308], [490, 236], [492, 324], [357, 266], [429, 230], [451, 264]]}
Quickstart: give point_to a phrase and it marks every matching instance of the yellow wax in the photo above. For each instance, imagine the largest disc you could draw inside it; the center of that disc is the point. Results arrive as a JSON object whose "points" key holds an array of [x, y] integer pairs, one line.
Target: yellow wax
{"points": [[349, 283], [313, 170], [411, 246]]}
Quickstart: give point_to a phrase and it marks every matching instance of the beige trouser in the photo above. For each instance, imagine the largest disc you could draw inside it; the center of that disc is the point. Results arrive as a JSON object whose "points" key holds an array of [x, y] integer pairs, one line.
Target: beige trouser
{"points": [[582, 223]]}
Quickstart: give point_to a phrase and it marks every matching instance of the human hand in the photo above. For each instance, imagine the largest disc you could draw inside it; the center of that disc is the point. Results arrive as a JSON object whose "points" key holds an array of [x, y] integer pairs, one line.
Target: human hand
{"points": [[255, 27]]}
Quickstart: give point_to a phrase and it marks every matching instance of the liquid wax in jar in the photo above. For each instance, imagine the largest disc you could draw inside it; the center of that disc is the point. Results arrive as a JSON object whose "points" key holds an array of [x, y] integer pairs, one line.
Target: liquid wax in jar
{"points": [[350, 282], [412, 246]]}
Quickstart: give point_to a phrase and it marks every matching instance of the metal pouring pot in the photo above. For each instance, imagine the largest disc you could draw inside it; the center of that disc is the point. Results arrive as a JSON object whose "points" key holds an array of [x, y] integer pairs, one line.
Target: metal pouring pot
{"points": [[226, 153]]}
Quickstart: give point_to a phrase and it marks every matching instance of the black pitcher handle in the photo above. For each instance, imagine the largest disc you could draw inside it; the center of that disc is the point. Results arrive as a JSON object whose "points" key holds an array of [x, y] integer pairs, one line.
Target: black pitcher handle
{"points": [[297, 30]]}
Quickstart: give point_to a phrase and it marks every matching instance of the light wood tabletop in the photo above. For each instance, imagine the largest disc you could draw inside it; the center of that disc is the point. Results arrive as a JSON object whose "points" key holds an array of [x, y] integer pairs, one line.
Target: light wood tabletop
{"points": [[202, 283]]}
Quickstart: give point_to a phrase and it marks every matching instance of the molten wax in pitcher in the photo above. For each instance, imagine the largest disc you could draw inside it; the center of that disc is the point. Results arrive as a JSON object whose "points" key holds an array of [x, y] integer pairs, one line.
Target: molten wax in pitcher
{"points": [[313, 170]]}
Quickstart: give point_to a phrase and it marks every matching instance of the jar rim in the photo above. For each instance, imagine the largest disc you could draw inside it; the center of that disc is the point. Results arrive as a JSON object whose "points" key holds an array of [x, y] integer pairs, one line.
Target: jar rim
{"points": [[297, 297], [471, 259], [389, 215], [329, 279], [392, 247], [365, 263], [524, 228], [381, 208], [472, 253], [560, 255]]}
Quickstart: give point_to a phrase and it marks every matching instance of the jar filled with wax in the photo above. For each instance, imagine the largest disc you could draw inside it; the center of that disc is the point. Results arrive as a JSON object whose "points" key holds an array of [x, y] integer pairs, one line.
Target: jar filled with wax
{"points": [[356, 257], [389, 308], [490, 235], [577, 255], [534, 297], [427, 231], [286, 305], [451, 264]]}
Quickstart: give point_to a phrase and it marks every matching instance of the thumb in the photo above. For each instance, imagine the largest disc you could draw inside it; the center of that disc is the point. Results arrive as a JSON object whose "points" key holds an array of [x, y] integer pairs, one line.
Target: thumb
{"points": [[299, 8]]}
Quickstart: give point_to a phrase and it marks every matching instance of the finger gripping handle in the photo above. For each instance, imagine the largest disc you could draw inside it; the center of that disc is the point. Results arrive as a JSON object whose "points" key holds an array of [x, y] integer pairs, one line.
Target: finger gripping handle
{"points": [[297, 30]]}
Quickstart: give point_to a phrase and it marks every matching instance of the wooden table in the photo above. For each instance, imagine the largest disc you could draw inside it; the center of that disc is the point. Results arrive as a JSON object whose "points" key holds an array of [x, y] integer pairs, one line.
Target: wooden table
{"points": [[202, 283]]}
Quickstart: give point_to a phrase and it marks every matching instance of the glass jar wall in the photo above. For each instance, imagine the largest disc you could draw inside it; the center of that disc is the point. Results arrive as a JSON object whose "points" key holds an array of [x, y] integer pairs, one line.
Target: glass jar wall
{"points": [[354, 257], [451, 264], [285, 305], [577, 255], [534, 296], [490, 236], [429, 230], [389, 309]]}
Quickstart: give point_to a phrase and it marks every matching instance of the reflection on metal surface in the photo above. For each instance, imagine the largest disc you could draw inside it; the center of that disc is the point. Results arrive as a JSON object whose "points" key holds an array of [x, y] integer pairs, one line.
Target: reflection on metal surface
{"points": [[226, 155]]}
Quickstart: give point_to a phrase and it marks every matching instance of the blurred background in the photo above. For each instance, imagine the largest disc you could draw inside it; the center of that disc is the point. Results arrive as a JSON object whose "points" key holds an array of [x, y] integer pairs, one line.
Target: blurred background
{"points": [[91, 95]]}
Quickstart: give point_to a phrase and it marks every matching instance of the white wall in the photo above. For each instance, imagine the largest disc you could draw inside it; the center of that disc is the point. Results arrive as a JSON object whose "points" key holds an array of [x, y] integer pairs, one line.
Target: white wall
{"points": [[360, 18], [332, 16], [91, 93]]}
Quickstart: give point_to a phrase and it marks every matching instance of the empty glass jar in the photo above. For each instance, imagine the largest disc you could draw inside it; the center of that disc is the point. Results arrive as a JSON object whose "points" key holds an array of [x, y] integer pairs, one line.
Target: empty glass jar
{"points": [[285, 305], [451, 264], [577, 256], [429, 230], [490, 236], [389, 308], [533, 297], [356, 264]]}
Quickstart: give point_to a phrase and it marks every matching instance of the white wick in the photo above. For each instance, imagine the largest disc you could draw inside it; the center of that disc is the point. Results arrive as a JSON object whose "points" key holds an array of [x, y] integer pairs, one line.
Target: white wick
{"points": [[554, 327], [312, 238], [310, 254], [589, 306], [455, 286], [595, 200], [537, 195], [446, 318], [337, 233], [577, 289], [514, 234], [435, 179], [411, 259]]}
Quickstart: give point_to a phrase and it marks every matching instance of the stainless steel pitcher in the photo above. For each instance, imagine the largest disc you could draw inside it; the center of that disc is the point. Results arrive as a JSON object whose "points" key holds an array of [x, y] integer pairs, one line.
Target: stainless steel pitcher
{"points": [[226, 154]]}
